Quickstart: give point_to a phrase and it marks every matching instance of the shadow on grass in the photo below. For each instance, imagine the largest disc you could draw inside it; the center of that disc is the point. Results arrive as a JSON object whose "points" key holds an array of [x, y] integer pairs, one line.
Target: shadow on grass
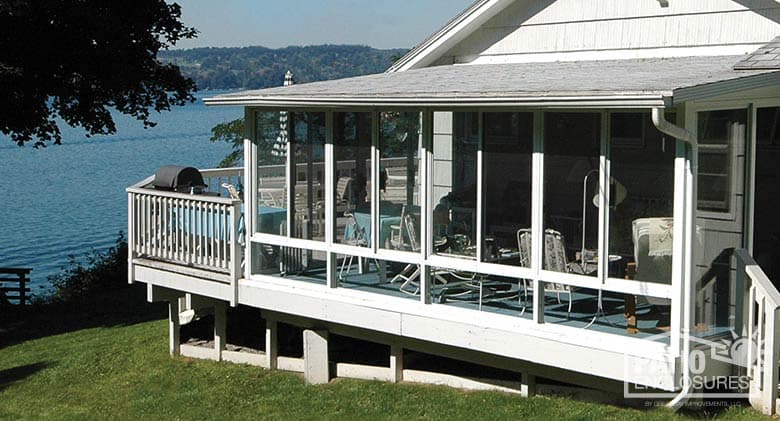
{"points": [[10, 376], [118, 307]]}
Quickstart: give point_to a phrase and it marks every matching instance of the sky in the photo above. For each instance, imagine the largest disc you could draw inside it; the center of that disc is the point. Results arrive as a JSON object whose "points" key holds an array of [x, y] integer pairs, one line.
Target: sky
{"points": [[280, 23]]}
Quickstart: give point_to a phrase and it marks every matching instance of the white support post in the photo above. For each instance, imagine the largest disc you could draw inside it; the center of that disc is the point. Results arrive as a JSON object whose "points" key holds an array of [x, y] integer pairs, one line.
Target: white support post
{"points": [[604, 198], [130, 237], [330, 204], [315, 356], [537, 216], [250, 188], [426, 186], [771, 363], [480, 235], [235, 252], [271, 345], [396, 363], [374, 225], [220, 329], [174, 338]]}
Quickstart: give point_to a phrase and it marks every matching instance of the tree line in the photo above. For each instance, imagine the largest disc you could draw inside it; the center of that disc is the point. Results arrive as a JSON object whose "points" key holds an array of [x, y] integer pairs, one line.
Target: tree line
{"points": [[260, 67]]}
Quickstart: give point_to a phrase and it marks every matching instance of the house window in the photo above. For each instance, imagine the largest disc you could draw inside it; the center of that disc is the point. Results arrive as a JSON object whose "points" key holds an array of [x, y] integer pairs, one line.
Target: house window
{"points": [[721, 134], [352, 152], [454, 213], [307, 184], [399, 182], [506, 184], [572, 149], [271, 142], [641, 203]]}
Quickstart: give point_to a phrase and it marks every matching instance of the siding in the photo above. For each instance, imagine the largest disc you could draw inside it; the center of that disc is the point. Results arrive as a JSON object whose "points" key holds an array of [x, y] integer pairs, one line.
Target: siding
{"points": [[550, 30]]}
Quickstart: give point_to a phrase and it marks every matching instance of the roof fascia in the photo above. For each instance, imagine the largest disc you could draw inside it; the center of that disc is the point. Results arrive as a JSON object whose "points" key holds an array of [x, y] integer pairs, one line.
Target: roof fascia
{"points": [[724, 87], [450, 34], [589, 101]]}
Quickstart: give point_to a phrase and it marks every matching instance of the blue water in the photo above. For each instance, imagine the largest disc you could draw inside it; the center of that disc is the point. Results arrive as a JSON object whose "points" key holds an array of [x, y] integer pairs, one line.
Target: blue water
{"points": [[68, 199]]}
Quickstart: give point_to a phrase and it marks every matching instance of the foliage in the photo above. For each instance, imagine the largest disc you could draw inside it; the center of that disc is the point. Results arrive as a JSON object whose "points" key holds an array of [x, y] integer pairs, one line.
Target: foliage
{"points": [[260, 67], [73, 60], [231, 132], [98, 272], [125, 372]]}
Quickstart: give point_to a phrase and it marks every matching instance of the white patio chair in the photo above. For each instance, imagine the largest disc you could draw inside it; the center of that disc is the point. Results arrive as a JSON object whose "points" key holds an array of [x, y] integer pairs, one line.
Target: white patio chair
{"points": [[356, 237], [553, 259]]}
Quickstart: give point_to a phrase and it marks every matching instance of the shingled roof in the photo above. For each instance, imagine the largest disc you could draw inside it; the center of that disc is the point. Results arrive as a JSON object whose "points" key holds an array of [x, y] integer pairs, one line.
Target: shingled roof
{"points": [[765, 58], [649, 80]]}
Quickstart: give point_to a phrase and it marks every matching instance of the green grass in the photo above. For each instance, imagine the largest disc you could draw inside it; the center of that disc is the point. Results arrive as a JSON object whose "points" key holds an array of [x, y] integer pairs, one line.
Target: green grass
{"points": [[125, 372], [113, 370]]}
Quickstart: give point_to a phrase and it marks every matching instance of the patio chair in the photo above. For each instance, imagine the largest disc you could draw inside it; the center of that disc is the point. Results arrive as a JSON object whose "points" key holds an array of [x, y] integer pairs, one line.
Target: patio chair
{"points": [[355, 235], [554, 259], [407, 233]]}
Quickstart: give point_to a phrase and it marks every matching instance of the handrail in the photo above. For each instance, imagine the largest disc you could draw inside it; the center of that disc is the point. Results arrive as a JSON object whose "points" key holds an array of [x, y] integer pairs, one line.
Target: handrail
{"points": [[760, 308], [187, 229]]}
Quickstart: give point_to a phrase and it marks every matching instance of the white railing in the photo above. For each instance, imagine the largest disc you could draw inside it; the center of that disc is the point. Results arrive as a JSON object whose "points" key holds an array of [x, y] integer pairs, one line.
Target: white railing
{"points": [[199, 231], [760, 309]]}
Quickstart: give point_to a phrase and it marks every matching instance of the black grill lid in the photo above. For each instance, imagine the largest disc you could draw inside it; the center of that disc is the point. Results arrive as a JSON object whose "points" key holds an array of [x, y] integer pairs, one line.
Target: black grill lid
{"points": [[178, 178]]}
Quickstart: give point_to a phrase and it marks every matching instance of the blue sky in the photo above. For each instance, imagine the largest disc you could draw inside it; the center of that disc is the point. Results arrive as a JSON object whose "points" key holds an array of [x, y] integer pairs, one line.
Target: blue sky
{"points": [[279, 23]]}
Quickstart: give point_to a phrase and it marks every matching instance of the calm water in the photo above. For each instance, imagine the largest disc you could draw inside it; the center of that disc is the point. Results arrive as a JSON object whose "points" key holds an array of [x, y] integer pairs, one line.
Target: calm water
{"points": [[65, 200]]}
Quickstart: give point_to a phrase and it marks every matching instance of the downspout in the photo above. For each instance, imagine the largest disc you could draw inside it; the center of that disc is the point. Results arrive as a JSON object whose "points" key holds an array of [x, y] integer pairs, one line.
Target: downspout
{"points": [[664, 126]]}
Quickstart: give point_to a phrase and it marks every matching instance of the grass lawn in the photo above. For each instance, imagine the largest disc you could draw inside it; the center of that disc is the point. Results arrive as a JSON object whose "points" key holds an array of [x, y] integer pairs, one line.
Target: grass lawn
{"points": [[122, 370]]}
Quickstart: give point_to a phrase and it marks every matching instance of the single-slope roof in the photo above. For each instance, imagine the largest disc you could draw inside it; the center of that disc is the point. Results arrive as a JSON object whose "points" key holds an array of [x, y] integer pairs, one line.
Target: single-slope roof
{"points": [[635, 82]]}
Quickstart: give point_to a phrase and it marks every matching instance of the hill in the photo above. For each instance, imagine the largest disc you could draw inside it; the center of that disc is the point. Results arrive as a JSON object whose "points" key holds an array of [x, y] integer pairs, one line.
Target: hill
{"points": [[260, 67]]}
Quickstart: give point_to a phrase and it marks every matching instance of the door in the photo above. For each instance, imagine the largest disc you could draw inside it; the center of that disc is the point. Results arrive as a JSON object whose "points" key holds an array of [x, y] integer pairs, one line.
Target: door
{"points": [[720, 217]]}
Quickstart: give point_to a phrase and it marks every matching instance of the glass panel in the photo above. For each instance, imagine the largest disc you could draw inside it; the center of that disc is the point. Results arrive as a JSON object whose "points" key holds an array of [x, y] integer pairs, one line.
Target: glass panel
{"points": [[480, 292], [289, 262], [455, 143], [641, 207], [271, 139], [766, 224], [571, 179], [352, 151], [719, 133], [507, 186], [308, 183], [379, 276], [399, 183]]}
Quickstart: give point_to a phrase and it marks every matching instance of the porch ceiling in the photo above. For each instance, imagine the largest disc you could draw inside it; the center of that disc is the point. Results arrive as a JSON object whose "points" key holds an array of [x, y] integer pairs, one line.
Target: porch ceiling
{"points": [[612, 83]]}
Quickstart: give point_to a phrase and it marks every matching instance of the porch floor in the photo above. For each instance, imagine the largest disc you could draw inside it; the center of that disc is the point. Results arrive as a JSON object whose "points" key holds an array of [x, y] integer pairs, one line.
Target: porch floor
{"points": [[501, 297]]}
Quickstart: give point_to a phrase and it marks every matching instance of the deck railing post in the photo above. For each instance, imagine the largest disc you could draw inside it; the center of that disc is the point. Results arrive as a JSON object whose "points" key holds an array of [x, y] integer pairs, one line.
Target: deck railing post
{"points": [[130, 237], [740, 299], [235, 251]]}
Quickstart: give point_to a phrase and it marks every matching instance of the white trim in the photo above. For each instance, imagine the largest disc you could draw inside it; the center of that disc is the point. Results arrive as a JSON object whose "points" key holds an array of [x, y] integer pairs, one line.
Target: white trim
{"points": [[615, 54], [618, 100], [453, 32]]}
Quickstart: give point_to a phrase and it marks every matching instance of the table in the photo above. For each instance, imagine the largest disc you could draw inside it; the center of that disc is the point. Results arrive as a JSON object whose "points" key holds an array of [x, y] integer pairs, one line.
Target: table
{"points": [[270, 219], [363, 220]]}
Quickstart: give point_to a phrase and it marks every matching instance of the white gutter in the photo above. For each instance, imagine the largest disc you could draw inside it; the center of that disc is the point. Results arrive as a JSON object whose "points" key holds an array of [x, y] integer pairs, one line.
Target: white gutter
{"points": [[678, 132], [594, 101]]}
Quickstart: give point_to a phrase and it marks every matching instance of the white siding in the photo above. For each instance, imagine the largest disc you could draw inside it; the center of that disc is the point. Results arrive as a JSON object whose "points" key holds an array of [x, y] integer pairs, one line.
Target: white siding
{"points": [[608, 29]]}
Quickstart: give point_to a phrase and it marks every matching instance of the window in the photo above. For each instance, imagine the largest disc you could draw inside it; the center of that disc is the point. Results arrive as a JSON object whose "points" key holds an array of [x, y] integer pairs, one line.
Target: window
{"points": [[721, 134]]}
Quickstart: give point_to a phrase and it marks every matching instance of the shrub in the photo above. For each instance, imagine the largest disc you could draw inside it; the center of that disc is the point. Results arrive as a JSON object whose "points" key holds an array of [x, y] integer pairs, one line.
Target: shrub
{"points": [[96, 273]]}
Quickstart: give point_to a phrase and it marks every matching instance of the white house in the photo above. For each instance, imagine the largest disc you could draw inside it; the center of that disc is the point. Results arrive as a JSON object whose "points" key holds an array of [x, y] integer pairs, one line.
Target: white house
{"points": [[563, 189]]}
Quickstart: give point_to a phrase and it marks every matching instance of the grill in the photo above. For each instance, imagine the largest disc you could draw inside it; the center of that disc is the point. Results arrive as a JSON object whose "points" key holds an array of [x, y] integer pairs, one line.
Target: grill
{"points": [[179, 179]]}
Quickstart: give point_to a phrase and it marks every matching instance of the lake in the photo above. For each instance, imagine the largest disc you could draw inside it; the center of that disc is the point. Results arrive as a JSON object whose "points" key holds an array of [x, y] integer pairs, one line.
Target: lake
{"points": [[68, 199]]}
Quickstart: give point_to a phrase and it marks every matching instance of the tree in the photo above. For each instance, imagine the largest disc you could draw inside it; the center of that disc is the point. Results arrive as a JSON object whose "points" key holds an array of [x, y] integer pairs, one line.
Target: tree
{"points": [[75, 60]]}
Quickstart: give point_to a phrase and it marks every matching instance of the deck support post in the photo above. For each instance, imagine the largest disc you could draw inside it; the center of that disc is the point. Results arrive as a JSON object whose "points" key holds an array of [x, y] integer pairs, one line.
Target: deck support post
{"points": [[220, 328], [315, 356], [271, 345], [528, 385], [396, 363], [174, 338]]}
